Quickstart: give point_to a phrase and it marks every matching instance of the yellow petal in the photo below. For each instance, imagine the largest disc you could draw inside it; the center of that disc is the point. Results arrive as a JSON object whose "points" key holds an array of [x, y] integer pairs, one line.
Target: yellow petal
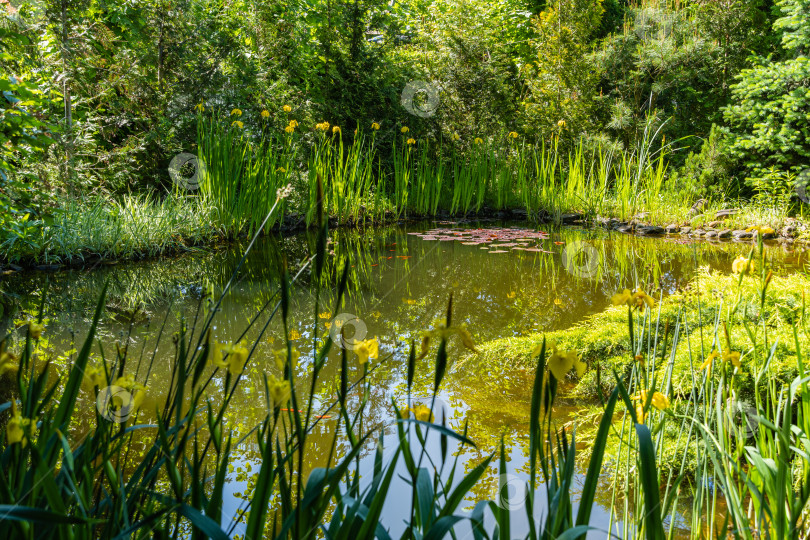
{"points": [[660, 401], [560, 365], [35, 330], [362, 353], [466, 339], [734, 357], [14, 431], [423, 413], [620, 298]]}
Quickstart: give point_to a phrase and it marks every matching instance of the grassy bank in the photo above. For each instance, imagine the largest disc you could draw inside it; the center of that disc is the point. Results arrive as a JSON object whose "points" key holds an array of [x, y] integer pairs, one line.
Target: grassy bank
{"points": [[683, 345], [240, 173], [106, 229], [701, 313]]}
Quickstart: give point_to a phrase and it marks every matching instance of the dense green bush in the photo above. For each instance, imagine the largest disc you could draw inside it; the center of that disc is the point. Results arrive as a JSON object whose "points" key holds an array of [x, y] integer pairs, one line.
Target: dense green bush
{"points": [[769, 116], [677, 64], [708, 171]]}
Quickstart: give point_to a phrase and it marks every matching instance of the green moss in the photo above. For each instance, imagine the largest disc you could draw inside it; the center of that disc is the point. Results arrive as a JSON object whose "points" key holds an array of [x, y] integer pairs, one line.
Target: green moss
{"points": [[692, 319], [673, 339]]}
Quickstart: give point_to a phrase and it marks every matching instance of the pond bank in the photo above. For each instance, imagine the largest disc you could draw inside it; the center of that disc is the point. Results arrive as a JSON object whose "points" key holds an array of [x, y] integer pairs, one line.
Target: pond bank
{"points": [[191, 228], [681, 348]]}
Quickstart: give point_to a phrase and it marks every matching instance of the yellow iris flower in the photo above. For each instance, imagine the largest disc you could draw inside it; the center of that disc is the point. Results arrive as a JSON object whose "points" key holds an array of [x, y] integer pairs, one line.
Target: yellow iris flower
{"points": [[286, 108], [638, 299], [741, 265], [265, 113], [733, 357], [422, 413], [280, 357], [760, 229], [235, 359], [375, 126], [280, 390], [236, 112], [658, 400], [96, 376], [238, 124], [35, 330], [404, 129], [369, 348], [18, 428], [136, 389], [707, 364], [560, 363]]}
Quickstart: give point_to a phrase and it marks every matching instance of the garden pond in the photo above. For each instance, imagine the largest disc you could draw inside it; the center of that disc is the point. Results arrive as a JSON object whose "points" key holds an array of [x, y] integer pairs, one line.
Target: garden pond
{"points": [[505, 280]]}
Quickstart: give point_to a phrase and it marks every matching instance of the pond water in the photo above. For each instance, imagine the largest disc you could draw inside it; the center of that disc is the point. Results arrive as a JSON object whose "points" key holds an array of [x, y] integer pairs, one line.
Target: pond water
{"points": [[506, 280]]}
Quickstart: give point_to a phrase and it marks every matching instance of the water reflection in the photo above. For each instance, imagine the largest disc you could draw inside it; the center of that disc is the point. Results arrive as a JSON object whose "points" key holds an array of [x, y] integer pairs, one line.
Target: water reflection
{"points": [[399, 284]]}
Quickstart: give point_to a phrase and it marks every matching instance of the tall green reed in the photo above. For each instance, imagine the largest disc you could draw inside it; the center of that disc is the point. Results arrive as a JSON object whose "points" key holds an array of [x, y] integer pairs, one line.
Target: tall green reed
{"points": [[240, 175]]}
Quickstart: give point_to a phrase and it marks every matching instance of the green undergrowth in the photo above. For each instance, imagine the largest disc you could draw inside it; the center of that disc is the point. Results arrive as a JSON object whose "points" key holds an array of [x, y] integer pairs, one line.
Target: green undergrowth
{"points": [[670, 345], [602, 339], [134, 227]]}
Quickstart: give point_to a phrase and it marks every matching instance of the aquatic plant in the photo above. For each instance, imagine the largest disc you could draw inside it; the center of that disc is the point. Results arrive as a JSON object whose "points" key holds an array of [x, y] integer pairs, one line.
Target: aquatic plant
{"points": [[57, 474]]}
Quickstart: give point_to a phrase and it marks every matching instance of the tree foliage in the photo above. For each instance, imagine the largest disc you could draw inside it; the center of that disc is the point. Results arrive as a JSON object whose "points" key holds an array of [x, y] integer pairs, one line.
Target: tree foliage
{"points": [[676, 64], [561, 78], [769, 114]]}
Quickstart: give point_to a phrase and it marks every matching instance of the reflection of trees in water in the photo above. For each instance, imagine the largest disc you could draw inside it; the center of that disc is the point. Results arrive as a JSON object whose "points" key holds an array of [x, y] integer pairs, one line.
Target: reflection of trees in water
{"points": [[387, 266], [398, 285]]}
